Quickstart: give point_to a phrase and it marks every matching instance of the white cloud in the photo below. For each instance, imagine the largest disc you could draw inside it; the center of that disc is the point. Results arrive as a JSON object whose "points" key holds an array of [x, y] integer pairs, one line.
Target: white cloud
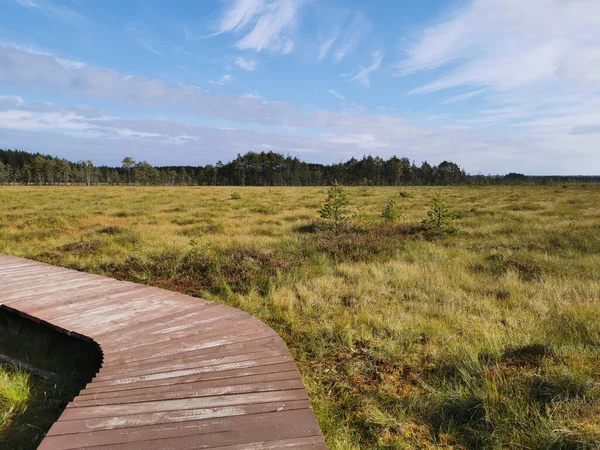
{"points": [[253, 94], [10, 101], [52, 10], [328, 136], [336, 94], [182, 51], [149, 47], [43, 71], [465, 96], [246, 63], [364, 72], [363, 140], [141, 36], [272, 23], [69, 132], [240, 14], [355, 32], [225, 79], [287, 45], [61, 60], [538, 61], [326, 46]]}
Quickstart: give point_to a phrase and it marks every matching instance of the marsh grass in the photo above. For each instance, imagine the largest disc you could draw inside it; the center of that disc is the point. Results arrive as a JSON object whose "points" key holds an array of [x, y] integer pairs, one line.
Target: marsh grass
{"points": [[487, 337], [15, 392]]}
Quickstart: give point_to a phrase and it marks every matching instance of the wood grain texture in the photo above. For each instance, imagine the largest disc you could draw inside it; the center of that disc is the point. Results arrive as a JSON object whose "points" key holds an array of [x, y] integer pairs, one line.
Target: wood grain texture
{"points": [[178, 372]]}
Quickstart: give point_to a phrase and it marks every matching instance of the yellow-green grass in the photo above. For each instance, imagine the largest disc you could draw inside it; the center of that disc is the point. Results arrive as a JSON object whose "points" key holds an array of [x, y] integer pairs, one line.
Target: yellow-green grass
{"points": [[484, 338], [15, 394]]}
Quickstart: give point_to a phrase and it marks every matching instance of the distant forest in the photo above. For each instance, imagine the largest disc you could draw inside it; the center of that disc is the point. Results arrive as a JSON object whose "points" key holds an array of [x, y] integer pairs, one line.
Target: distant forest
{"points": [[252, 169]]}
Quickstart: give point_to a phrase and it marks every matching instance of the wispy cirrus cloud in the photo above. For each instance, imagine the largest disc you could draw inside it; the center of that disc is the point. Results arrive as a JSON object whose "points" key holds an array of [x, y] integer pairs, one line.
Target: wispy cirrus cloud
{"points": [[248, 64], [536, 63], [141, 37], [336, 94], [240, 14], [326, 45], [63, 61], [464, 96], [344, 34], [509, 43], [363, 75], [52, 10], [268, 25], [356, 31]]}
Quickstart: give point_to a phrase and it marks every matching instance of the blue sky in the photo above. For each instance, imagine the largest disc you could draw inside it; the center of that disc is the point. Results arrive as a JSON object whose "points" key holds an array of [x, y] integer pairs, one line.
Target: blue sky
{"points": [[495, 85]]}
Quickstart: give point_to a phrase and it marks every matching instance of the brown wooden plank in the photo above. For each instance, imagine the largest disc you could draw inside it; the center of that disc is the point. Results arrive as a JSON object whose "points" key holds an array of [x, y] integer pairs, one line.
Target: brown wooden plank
{"points": [[192, 371], [175, 429], [189, 390], [188, 364], [165, 346], [189, 340], [70, 427], [86, 398], [207, 346], [303, 425], [309, 443], [178, 372], [233, 374], [185, 312], [203, 323], [252, 346]]}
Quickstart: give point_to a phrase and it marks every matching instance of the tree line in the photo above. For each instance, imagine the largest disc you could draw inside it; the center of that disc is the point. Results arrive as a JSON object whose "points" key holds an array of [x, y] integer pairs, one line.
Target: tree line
{"points": [[251, 169]]}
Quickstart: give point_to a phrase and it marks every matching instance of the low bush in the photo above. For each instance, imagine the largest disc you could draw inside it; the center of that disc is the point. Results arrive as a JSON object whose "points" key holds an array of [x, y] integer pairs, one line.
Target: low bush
{"points": [[237, 269], [439, 216], [391, 212], [111, 230], [357, 244]]}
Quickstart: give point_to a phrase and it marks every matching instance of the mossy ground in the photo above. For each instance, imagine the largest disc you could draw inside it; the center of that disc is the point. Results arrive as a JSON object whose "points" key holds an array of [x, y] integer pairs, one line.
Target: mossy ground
{"points": [[486, 337]]}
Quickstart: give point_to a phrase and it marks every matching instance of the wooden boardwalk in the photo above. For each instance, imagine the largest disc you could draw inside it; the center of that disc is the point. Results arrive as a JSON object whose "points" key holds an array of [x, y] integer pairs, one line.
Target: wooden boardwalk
{"points": [[177, 373]]}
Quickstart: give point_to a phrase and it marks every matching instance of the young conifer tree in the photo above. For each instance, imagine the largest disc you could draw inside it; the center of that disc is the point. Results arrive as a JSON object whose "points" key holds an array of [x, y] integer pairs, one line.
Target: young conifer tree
{"points": [[334, 211], [439, 215]]}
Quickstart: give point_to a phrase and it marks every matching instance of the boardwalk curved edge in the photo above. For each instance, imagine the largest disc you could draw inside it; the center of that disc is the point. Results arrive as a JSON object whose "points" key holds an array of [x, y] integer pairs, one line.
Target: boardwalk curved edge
{"points": [[178, 372]]}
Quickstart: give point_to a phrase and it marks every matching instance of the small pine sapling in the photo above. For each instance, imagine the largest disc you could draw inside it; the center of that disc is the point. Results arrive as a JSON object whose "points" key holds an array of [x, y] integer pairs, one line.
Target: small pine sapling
{"points": [[439, 215], [334, 211], [360, 219], [391, 212]]}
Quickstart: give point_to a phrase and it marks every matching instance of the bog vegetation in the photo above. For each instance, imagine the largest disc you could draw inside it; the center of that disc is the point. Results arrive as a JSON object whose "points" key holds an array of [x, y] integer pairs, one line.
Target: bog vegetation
{"points": [[462, 318]]}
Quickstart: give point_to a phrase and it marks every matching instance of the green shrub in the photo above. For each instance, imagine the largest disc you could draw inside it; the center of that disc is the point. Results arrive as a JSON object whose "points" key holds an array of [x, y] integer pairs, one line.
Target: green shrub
{"points": [[391, 212], [335, 209], [439, 215], [182, 221], [111, 230]]}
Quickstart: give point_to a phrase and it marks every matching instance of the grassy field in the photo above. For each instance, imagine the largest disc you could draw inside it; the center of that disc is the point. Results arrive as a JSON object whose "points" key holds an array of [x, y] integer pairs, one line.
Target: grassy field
{"points": [[487, 337], [15, 393]]}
